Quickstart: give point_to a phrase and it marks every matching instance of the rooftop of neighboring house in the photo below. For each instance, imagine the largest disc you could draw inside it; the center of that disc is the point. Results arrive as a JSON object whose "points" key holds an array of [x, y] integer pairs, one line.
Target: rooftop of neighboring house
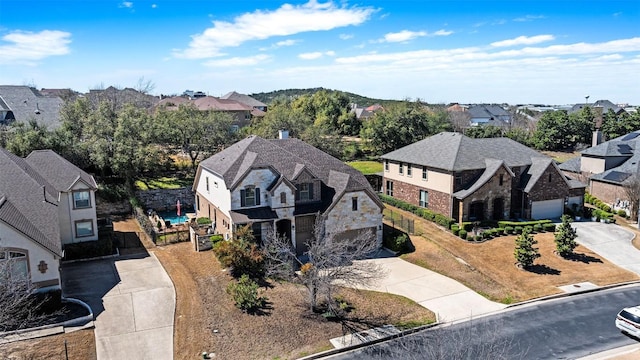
{"points": [[626, 147], [26, 103], [26, 203], [487, 111], [606, 105], [245, 99], [289, 157], [453, 151], [214, 103]]}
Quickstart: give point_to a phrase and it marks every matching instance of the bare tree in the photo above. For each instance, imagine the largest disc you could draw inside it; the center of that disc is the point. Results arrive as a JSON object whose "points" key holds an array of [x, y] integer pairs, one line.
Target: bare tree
{"points": [[459, 119], [469, 340], [329, 262], [144, 86], [19, 307], [631, 188]]}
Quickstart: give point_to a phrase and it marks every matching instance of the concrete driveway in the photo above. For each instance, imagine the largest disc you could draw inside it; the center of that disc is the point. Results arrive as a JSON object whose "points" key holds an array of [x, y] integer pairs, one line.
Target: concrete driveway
{"points": [[610, 241], [133, 301], [449, 299]]}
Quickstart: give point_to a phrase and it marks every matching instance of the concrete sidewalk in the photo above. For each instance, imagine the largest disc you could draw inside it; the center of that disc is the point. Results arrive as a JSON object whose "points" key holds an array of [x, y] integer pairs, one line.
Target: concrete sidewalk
{"points": [[449, 299], [133, 300]]}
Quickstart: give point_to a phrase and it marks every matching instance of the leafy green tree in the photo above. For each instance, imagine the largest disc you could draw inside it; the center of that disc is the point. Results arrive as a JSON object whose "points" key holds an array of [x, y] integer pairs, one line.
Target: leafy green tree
{"points": [[330, 110], [526, 252], [281, 116], [245, 294], [400, 125], [98, 130], [485, 131], [24, 138], [565, 237]]}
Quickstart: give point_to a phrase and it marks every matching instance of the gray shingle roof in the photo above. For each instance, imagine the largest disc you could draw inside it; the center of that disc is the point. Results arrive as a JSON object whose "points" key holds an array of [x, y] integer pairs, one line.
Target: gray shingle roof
{"points": [[286, 156], [27, 103], [61, 173], [25, 206], [492, 165], [625, 147], [245, 99], [455, 152]]}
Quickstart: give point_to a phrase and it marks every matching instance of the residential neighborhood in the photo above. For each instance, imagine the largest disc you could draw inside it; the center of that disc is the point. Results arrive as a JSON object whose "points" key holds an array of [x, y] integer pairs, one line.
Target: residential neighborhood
{"points": [[319, 179]]}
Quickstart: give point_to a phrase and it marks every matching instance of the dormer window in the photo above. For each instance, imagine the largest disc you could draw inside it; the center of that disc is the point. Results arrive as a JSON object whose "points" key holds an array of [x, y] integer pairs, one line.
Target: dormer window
{"points": [[81, 199], [250, 196], [305, 191]]}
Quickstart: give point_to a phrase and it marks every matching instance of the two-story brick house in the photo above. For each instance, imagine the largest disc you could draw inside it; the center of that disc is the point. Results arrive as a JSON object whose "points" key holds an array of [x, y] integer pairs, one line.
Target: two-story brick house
{"points": [[283, 184], [475, 179], [45, 203]]}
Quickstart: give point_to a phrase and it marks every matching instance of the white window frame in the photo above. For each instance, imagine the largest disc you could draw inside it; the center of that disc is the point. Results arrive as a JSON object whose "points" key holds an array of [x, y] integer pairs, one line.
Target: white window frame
{"points": [[425, 173], [304, 189], [83, 221], [409, 172], [423, 202], [76, 200]]}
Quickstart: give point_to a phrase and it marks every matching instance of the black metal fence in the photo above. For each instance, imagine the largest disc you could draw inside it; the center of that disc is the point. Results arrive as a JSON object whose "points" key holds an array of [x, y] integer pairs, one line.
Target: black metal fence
{"points": [[398, 220]]}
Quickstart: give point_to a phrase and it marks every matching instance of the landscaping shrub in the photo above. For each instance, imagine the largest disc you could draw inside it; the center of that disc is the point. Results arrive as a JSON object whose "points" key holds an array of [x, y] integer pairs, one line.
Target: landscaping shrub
{"points": [[477, 238], [486, 234], [245, 294], [203, 221], [463, 234], [622, 213], [518, 229], [214, 239], [398, 244], [508, 230], [455, 230], [526, 252], [242, 257], [565, 238], [537, 228], [549, 227]]}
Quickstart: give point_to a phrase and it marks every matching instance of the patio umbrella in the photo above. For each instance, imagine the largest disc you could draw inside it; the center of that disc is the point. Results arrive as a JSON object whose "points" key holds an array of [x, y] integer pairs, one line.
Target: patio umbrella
{"points": [[178, 207]]}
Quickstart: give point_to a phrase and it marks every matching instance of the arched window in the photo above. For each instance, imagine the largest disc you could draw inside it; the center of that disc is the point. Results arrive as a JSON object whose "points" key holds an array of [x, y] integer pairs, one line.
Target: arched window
{"points": [[13, 263]]}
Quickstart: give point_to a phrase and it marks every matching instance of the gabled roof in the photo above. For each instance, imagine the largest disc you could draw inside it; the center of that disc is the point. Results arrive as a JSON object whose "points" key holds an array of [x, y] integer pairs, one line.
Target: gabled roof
{"points": [[455, 152], [288, 157], [61, 173], [492, 166], [213, 103], [605, 104], [27, 103], [242, 98], [487, 111], [27, 202]]}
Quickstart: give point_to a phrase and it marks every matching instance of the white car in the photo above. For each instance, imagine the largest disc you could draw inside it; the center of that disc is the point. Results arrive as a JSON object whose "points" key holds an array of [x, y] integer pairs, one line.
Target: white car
{"points": [[628, 320]]}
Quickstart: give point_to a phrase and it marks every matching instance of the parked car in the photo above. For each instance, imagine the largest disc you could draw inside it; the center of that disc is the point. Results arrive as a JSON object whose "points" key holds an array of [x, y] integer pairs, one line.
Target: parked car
{"points": [[628, 320]]}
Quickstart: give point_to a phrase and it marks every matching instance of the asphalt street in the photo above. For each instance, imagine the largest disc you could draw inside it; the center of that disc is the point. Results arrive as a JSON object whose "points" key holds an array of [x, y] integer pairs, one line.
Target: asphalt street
{"points": [[567, 328]]}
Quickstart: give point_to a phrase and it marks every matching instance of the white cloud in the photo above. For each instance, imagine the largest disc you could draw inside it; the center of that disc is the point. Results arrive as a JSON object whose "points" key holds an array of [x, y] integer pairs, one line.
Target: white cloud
{"points": [[259, 25], [153, 6], [528, 18], [26, 46], [315, 55], [126, 4], [523, 40], [238, 61], [289, 42], [345, 36], [442, 32], [402, 36]]}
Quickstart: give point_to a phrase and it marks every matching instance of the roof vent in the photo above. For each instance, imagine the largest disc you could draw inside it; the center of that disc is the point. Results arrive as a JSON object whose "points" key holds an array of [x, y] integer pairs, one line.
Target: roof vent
{"points": [[37, 109]]}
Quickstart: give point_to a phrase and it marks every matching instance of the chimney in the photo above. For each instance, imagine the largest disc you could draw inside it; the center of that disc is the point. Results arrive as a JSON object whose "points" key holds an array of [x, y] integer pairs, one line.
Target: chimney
{"points": [[283, 134], [596, 139]]}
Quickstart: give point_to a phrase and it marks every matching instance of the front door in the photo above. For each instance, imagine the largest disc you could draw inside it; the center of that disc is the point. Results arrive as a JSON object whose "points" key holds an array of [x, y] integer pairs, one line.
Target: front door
{"points": [[476, 211], [304, 232], [498, 209]]}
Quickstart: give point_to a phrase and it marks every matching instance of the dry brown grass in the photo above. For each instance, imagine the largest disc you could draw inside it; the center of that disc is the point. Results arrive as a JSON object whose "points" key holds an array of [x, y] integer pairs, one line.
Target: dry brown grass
{"points": [[491, 269], [207, 320], [81, 345], [561, 156]]}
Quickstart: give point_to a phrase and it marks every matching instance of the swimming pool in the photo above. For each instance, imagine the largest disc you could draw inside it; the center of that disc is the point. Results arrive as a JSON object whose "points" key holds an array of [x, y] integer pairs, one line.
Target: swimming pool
{"points": [[172, 217]]}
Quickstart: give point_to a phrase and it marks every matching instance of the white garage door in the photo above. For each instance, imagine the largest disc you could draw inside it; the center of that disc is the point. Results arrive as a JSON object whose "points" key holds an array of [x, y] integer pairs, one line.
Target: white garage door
{"points": [[549, 209]]}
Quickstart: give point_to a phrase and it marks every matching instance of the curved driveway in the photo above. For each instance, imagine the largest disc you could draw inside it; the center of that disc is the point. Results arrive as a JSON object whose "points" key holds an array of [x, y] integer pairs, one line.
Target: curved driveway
{"points": [[610, 241]]}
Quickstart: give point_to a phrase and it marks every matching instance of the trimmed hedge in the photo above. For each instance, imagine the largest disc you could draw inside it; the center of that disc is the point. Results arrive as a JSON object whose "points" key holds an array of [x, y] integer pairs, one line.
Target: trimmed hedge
{"points": [[423, 213]]}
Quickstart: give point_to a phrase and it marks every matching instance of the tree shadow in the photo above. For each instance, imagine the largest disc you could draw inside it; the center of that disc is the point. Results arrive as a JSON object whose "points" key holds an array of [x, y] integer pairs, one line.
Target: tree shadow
{"points": [[264, 310], [542, 270], [583, 258]]}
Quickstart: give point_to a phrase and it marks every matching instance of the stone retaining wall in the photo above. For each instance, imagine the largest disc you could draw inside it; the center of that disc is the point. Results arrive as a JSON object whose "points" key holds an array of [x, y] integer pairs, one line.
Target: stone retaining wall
{"points": [[166, 199]]}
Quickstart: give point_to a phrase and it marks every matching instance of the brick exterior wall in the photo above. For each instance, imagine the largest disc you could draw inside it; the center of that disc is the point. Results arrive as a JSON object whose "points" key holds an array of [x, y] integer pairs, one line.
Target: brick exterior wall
{"points": [[606, 192], [487, 194], [548, 190], [438, 201]]}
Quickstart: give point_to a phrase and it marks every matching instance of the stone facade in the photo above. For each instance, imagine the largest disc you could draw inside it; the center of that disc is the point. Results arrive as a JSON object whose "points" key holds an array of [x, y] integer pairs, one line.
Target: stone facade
{"points": [[166, 199], [489, 194], [367, 214]]}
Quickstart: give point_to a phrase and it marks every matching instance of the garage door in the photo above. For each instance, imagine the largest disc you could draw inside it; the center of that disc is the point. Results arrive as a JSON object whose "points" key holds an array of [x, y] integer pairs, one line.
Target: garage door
{"points": [[549, 209]]}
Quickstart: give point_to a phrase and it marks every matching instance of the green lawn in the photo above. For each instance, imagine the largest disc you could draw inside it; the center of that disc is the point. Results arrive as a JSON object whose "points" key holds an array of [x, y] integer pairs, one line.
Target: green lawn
{"points": [[164, 182], [367, 167]]}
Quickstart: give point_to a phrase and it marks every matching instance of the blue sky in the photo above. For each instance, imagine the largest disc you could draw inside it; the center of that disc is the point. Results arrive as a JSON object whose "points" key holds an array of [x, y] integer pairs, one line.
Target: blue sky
{"points": [[553, 52]]}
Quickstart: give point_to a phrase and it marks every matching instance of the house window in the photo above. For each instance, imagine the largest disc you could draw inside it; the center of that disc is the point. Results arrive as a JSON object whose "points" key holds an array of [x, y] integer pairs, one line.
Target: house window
{"points": [[501, 179], [207, 180], [408, 169], [84, 228], [386, 165], [424, 173], [424, 198], [198, 202], [400, 168], [549, 177], [283, 198], [389, 188], [250, 196], [17, 263], [354, 203], [235, 128], [305, 191], [81, 199]]}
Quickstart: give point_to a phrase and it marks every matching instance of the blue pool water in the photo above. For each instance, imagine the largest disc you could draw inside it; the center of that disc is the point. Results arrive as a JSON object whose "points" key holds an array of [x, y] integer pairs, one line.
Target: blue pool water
{"points": [[173, 217]]}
